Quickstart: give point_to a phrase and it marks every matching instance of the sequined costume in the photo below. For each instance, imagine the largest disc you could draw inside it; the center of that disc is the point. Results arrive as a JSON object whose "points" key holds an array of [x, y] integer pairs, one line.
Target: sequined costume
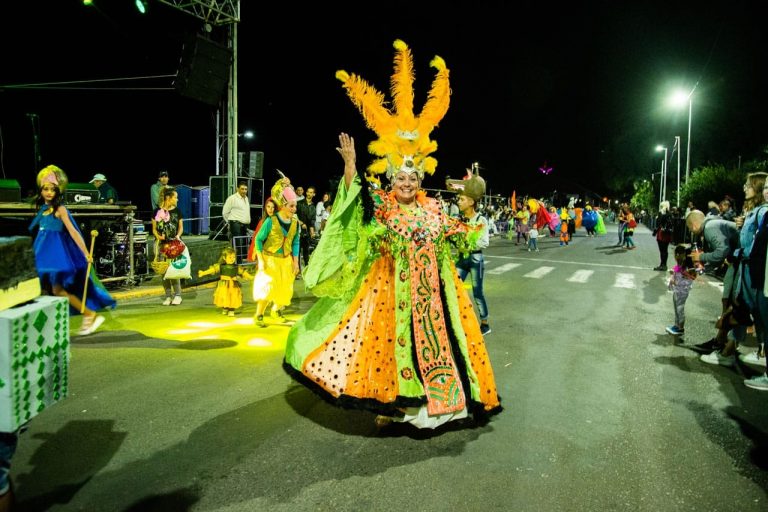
{"points": [[394, 330]]}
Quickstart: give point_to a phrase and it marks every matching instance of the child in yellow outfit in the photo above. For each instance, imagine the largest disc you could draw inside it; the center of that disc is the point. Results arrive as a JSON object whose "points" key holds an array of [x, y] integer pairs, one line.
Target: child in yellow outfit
{"points": [[564, 235], [228, 294]]}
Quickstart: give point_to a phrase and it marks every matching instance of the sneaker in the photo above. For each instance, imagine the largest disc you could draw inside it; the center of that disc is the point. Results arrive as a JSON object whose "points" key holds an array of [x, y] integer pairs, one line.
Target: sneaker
{"points": [[675, 330], [760, 382], [485, 329], [717, 358], [231, 313], [708, 346], [662, 268], [90, 327], [529, 249], [260, 321], [167, 301], [753, 358], [176, 300], [223, 311]]}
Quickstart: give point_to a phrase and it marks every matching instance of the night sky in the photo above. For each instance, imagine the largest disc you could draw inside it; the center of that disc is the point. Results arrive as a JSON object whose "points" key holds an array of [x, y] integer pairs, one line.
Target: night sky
{"points": [[582, 88]]}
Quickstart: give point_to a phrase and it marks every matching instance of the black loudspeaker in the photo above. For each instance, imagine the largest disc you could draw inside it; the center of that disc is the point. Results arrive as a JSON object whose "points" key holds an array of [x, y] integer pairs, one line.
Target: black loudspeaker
{"points": [[10, 191], [218, 186], [256, 164], [203, 70]]}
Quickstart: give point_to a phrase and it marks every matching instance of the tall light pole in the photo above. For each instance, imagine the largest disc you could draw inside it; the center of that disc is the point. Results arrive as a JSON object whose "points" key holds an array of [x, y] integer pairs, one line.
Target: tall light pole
{"points": [[653, 174], [677, 145], [663, 173], [679, 99]]}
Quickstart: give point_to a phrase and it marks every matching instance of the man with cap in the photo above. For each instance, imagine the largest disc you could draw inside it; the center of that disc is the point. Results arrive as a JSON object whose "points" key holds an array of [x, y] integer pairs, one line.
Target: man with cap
{"points": [[469, 191], [107, 193], [162, 181]]}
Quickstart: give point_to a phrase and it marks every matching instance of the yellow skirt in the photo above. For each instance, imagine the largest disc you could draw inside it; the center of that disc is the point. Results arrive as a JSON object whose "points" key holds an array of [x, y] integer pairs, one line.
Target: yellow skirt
{"points": [[280, 288], [228, 294]]}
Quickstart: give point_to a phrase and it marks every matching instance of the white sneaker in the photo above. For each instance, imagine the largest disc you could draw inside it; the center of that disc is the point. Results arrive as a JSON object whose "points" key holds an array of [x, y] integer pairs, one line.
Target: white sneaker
{"points": [[90, 328], [760, 382], [753, 358], [176, 300], [167, 301], [717, 358]]}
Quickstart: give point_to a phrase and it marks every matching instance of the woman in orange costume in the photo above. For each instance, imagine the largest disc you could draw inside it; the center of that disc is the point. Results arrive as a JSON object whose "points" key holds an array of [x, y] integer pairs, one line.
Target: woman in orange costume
{"points": [[394, 331]]}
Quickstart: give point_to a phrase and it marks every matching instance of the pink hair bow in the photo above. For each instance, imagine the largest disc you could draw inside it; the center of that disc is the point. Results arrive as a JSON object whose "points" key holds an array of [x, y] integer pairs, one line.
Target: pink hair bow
{"points": [[50, 178]]}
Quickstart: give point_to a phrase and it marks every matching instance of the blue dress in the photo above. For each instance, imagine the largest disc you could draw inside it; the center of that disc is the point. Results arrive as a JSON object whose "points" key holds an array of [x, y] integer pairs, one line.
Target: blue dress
{"points": [[60, 261]]}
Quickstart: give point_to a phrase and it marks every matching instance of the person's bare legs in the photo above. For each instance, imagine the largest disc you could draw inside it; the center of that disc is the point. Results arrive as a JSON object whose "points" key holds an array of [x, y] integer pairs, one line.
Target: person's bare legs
{"points": [[75, 302]]}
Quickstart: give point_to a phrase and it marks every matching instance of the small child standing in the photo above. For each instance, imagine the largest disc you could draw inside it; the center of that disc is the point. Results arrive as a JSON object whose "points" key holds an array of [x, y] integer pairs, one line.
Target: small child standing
{"points": [[533, 234], [680, 283], [229, 294], [564, 238]]}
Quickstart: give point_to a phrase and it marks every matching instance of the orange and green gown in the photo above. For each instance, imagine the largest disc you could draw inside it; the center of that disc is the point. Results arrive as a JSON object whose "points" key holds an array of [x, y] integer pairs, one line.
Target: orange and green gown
{"points": [[394, 330]]}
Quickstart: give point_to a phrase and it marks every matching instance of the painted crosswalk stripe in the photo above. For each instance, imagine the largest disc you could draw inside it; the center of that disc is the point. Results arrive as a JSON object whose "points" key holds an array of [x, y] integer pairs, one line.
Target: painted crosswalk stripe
{"points": [[624, 280], [539, 272], [504, 268], [717, 284], [581, 276]]}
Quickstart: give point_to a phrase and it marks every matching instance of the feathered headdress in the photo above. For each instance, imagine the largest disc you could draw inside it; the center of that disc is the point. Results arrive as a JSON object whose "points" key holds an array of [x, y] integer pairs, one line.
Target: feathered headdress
{"points": [[403, 143]]}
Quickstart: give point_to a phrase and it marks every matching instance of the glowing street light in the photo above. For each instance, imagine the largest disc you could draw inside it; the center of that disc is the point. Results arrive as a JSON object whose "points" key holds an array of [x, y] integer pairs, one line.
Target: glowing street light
{"points": [[679, 99]]}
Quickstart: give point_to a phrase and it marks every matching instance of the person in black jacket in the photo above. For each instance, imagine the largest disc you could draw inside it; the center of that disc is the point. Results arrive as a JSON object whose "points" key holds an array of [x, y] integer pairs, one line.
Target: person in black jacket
{"points": [[306, 212], [663, 234]]}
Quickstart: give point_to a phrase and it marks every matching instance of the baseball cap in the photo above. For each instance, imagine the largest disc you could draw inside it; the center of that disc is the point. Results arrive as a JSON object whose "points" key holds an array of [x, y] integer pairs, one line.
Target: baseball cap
{"points": [[162, 173], [99, 177]]}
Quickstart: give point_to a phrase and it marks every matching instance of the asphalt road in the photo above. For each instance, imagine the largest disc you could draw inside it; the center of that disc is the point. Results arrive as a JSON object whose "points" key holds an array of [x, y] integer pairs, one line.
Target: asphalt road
{"points": [[181, 408]]}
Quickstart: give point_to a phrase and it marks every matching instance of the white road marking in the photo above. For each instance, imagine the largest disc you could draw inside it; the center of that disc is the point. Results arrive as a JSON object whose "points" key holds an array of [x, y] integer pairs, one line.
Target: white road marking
{"points": [[581, 276], [503, 268], [539, 272], [717, 284], [624, 280], [561, 262]]}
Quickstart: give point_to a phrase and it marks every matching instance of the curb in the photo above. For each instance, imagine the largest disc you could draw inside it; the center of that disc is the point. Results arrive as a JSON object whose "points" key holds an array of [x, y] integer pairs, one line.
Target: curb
{"points": [[139, 292]]}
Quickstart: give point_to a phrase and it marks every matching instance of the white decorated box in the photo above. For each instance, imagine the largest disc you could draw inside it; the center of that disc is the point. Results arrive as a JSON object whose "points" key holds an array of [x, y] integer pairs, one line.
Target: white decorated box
{"points": [[34, 359]]}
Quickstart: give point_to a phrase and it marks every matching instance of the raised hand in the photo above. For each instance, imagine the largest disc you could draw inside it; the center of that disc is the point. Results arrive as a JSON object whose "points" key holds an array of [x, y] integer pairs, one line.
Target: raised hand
{"points": [[347, 152]]}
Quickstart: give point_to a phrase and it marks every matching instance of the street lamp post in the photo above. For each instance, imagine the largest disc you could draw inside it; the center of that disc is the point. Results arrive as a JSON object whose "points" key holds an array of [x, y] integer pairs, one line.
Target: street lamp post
{"points": [[677, 144], [663, 173], [688, 150], [679, 99]]}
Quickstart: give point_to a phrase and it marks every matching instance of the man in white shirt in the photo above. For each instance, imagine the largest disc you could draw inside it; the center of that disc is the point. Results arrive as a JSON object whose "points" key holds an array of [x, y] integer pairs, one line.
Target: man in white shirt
{"points": [[237, 214]]}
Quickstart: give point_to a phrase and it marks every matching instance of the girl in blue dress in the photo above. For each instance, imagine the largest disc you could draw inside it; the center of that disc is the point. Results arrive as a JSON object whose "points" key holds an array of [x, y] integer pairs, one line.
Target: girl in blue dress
{"points": [[61, 256]]}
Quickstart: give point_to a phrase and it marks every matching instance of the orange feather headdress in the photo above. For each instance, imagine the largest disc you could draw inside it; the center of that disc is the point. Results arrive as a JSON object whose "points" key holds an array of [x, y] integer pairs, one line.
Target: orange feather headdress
{"points": [[403, 143]]}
